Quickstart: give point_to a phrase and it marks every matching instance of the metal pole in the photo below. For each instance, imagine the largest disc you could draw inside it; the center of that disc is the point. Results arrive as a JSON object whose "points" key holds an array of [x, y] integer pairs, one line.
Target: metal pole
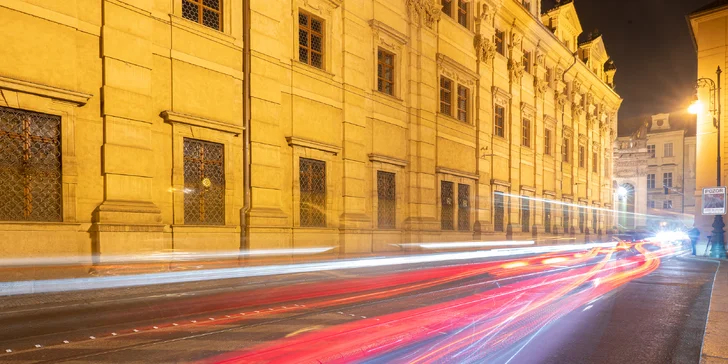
{"points": [[718, 249]]}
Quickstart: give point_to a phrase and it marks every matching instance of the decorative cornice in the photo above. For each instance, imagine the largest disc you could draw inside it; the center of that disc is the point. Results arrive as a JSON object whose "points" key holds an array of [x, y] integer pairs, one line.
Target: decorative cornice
{"points": [[449, 67], [424, 12], [388, 160], [174, 117], [499, 182], [305, 143], [458, 173], [528, 189], [74, 97], [378, 26], [528, 110]]}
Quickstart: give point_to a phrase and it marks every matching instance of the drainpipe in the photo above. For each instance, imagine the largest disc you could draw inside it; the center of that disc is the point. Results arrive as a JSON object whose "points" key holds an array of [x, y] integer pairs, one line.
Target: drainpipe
{"points": [[244, 229]]}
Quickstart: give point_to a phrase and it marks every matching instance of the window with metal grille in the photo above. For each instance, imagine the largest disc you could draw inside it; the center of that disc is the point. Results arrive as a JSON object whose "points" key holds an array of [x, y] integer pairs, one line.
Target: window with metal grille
{"points": [[547, 216], [526, 133], [595, 162], [445, 96], [582, 219], [525, 214], [667, 179], [499, 46], [463, 13], [527, 61], [30, 166], [386, 202], [594, 220], [668, 150], [499, 122], [566, 218], [446, 7], [667, 205], [463, 207], [499, 210], [547, 141], [463, 97], [205, 12], [651, 151], [565, 150], [204, 170], [385, 72], [310, 39], [582, 156], [312, 175], [447, 212], [651, 180]]}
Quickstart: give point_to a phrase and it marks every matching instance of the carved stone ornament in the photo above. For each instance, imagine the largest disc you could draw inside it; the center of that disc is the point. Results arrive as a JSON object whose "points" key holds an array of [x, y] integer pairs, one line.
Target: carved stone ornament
{"points": [[486, 14], [560, 98], [515, 70], [540, 85], [577, 110], [576, 88], [516, 40], [484, 48], [540, 58], [424, 12]]}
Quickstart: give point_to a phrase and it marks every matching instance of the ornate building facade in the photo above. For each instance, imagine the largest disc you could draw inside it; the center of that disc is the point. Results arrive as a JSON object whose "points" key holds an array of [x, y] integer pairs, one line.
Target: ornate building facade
{"points": [[359, 125]]}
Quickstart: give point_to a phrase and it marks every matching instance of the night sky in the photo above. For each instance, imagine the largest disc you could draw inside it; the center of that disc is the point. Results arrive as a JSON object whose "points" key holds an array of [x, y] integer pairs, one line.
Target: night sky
{"points": [[651, 45]]}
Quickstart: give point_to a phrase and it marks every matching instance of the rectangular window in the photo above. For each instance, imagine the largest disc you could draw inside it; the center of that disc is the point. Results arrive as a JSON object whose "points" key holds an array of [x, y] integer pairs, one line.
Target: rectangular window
{"points": [[463, 13], [446, 7], [499, 209], [310, 39], [667, 179], [595, 162], [499, 124], [526, 133], [445, 96], [651, 204], [526, 4], [447, 210], [667, 205], [30, 166], [499, 38], [547, 141], [565, 150], [582, 219], [549, 76], [463, 207], [668, 150], [651, 180], [205, 12], [566, 219], [312, 176], [386, 200], [525, 214], [385, 72], [204, 173], [547, 216], [595, 221], [651, 151], [527, 61], [582, 156], [463, 97]]}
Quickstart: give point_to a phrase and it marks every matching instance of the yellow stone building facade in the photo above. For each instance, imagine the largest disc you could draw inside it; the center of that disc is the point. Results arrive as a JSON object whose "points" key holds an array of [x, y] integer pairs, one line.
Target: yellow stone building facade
{"points": [[358, 125]]}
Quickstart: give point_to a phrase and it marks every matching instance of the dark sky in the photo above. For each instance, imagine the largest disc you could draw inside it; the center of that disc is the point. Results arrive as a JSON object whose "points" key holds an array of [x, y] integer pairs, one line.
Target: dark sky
{"points": [[651, 45]]}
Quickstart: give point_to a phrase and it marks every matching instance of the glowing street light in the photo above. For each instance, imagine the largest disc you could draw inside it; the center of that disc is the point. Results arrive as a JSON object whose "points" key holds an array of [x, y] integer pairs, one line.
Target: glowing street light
{"points": [[622, 192], [696, 107]]}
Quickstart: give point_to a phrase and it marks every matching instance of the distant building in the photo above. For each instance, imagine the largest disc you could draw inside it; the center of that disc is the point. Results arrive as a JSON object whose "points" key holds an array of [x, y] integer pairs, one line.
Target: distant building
{"points": [[655, 171]]}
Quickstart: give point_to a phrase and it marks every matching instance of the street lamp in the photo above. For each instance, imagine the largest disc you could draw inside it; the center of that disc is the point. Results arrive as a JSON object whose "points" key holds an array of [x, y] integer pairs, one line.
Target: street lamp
{"points": [[718, 250]]}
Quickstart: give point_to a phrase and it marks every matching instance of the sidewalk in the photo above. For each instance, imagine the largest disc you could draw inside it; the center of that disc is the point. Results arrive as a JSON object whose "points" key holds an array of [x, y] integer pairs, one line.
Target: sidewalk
{"points": [[715, 348]]}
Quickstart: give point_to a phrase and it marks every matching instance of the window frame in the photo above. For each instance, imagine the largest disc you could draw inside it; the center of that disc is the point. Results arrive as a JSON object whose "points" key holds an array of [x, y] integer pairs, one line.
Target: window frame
{"points": [[582, 156], [380, 75], [446, 100], [665, 149], [223, 196], [651, 151], [547, 216], [463, 115], [200, 13], [463, 211], [325, 192], [309, 29], [449, 223], [547, 139], [595, 162], [463, 12], [525, 214], [499, 39], [499, 212], [667, 205], [651, 182], [565, 152], [527, 62], [393, 224], [667, 179], [651, 204], [526, 132], [502, 125]]}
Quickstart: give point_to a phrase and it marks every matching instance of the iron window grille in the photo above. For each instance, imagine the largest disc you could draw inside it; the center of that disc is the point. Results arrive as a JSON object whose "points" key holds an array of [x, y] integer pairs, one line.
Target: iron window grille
{"points": [[463, 13], [447, 212], [463, 207], [205, 12], [499, 123], [310, 39], [582, 219], [204, 173], [30, 166], [547, 217], [566, 221], [498, 212], [312, 175], [547, 142], [525, 215], [445, 96], [463, 97], [526, 133], [651, 151], [667, 179], [386, 202], [651, 180], [385, 72]]}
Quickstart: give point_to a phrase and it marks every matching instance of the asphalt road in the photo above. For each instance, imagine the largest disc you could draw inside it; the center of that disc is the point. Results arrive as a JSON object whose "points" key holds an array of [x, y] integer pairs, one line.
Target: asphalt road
{"points": [[658, 318]]}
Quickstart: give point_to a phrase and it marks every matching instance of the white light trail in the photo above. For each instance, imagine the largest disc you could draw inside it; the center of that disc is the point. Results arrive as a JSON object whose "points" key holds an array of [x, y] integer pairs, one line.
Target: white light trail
{"points": [[466, 244]]}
